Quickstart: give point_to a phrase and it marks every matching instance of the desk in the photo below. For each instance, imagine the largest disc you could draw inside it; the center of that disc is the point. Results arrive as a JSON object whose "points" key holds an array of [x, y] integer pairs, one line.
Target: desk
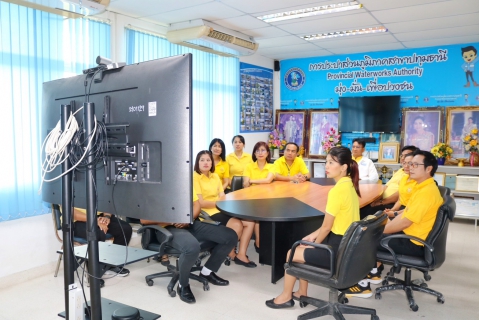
{"points": [[286, 212]]}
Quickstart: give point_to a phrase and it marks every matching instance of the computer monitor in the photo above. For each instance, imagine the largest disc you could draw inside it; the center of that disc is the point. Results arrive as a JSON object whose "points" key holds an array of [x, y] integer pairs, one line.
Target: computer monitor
{"points": [[147, 109]]}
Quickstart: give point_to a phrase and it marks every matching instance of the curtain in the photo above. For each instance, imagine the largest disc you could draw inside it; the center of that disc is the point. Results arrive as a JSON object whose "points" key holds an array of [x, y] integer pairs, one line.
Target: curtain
{"points": [[35, 47], [215, 86]]}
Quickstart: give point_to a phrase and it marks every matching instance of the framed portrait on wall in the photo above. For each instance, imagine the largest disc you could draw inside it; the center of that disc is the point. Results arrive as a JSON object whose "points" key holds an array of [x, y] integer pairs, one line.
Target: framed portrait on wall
{"points": [[460, 122], [320, 123], [389, 152], [422, 127], [293, 125]]}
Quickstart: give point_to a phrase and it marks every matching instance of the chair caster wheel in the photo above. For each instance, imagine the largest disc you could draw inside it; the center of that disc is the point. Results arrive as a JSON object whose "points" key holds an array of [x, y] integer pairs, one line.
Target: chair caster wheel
{"points": [[227, 262], [414, 307], [374, 317], [427, 277], [149, 283], [377, 296], [206, 287], [423, 285], [172, 293], [441, 300]]}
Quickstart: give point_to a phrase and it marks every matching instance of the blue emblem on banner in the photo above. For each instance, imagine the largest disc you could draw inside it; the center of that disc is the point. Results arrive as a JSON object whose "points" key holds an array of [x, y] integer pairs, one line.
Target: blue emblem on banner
{"points": [[294, 79]]}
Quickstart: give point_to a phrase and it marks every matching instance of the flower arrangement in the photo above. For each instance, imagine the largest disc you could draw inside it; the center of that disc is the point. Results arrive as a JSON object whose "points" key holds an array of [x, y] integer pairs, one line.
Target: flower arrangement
{"points": [[441, 150], [276, 140], [470, 141], [330, 140]]}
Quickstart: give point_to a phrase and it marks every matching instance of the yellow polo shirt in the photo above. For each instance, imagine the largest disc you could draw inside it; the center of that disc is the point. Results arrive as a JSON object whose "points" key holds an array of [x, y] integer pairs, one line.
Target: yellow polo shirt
{"points": [[357, 159], [254, 172], [406, 189], [282, 168], [209, 188], [343, 205], [237, 166], [393, 183], [222, 169], [422, 209]]}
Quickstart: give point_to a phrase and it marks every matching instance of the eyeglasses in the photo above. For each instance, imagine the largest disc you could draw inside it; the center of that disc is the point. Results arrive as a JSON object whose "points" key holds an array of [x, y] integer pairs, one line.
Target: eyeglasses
{"points": [[260, 151], [413, 164]]}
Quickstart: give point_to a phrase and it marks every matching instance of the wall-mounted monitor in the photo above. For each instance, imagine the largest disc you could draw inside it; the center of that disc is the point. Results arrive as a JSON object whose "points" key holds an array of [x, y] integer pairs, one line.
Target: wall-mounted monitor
{"points": [[370, 114], [147, 111]]}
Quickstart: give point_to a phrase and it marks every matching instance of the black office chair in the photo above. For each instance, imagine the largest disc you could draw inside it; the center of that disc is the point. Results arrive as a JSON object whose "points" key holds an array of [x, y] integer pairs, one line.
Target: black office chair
{"points": [[354, 259], [236, 183], [434, 256], [149, 241]]}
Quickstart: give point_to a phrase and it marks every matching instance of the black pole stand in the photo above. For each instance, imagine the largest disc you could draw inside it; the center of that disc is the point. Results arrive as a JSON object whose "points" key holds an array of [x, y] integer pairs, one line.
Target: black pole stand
{"points": [[68, 258], [93, 252]]}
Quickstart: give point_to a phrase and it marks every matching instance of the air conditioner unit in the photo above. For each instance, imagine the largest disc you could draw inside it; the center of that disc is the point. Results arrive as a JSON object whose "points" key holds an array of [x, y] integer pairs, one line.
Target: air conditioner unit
{"points": [[75, 8], [208, 36]]}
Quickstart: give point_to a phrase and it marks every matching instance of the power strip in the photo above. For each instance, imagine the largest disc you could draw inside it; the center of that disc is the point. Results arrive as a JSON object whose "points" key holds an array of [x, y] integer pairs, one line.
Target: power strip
{"points": [[75, 303]]}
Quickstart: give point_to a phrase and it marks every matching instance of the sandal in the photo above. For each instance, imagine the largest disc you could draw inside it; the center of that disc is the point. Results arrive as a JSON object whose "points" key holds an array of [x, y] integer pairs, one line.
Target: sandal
{"points": [[164, 260]]}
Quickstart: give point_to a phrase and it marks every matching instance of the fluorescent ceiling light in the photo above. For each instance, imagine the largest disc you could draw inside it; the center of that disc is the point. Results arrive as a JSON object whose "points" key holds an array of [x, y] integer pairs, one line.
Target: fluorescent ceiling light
{"points": [[301, 13], [344, 33]]}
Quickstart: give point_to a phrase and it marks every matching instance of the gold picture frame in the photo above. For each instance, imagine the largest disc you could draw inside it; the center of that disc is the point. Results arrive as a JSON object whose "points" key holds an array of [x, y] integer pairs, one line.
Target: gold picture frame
{"points": [[431, 127], [389, 152], [440, 178], [293, 124], [457, 126], [320, 123]]}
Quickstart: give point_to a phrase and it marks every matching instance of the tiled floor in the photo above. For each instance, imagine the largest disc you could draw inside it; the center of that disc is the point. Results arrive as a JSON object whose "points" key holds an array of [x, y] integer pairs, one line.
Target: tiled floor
{"points": [[457, 279]]}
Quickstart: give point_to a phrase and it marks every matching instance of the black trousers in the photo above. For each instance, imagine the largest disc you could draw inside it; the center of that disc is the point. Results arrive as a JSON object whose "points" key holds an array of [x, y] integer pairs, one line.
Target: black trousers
{"points": [[186, 241], [403, 246], [369, 210], [119, 229]]}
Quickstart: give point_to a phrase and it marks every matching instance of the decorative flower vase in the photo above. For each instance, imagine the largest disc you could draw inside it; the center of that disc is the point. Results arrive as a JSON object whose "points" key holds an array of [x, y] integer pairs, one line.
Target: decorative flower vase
{"points": [[474, 159], [441, 161], [276, 153]]}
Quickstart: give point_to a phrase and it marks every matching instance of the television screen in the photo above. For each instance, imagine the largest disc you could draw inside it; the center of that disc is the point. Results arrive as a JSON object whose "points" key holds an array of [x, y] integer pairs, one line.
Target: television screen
{"points": [[147, 111], [370, 114]]}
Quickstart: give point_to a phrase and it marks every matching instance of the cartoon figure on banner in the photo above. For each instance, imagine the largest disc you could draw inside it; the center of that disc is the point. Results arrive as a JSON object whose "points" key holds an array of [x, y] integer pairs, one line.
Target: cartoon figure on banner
{"points": [[469, 54]]}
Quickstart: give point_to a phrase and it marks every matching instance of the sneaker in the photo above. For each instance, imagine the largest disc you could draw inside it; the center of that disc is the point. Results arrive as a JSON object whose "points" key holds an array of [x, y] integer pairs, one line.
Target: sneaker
{"points": [[358, 291], [374, 278], [117, 271]]}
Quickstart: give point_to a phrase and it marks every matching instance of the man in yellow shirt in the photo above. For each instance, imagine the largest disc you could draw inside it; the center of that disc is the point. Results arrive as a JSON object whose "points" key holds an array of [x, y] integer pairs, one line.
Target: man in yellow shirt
{"points": [[289, 167], [391, 195], [416, 220]]}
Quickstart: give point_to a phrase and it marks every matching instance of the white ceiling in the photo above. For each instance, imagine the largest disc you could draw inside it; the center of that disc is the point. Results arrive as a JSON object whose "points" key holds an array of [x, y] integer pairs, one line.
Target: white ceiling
{"points": [[411, 23]]}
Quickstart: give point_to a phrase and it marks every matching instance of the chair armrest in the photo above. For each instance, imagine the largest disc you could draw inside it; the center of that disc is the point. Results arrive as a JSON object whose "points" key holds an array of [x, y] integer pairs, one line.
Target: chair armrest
{"points": [[204, 215], [317, 246], [385, 244], [168, 235]]}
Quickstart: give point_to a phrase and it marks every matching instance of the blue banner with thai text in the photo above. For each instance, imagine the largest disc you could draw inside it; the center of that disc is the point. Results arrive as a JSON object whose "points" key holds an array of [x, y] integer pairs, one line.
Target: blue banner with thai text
{"points": [[434, 76]]}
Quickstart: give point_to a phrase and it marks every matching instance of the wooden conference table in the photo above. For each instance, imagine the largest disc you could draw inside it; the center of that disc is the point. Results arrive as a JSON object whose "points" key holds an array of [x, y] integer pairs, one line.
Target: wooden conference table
{"points": [[287, 212]]}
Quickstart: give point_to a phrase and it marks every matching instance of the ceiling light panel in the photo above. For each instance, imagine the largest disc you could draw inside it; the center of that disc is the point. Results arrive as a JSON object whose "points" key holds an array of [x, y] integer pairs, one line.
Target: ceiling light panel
{"points": [[346, 33], [308, 12]]}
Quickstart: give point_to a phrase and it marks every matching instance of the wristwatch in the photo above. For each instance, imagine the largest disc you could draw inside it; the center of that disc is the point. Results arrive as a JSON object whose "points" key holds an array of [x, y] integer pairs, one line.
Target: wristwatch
{"points": [[395, 213]]}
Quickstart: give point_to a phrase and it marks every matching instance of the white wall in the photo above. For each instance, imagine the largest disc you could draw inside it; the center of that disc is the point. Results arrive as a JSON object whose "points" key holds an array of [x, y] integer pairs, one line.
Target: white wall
{"points": [[256, 59]]}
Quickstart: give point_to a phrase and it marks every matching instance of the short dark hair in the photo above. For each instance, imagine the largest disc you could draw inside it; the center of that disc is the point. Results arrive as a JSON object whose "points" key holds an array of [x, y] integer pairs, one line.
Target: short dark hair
{"points": [[257, 146], [410, 148], [468, 48], [360, 141], [222, 144], [294, 144], [429, 160], [197, 161], [239, 137]]}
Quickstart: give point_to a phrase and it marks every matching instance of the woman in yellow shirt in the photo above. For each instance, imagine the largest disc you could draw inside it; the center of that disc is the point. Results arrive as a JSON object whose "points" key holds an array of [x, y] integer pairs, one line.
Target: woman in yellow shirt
{"points": [[260, 171], [222, 169], [406, 186], [342, 208], [209, 189], [238, 159]]}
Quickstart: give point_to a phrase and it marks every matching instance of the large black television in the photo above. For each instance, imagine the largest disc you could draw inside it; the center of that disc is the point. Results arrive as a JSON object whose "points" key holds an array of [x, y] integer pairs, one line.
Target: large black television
{"points": [[147, 109], [370, 114]]}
